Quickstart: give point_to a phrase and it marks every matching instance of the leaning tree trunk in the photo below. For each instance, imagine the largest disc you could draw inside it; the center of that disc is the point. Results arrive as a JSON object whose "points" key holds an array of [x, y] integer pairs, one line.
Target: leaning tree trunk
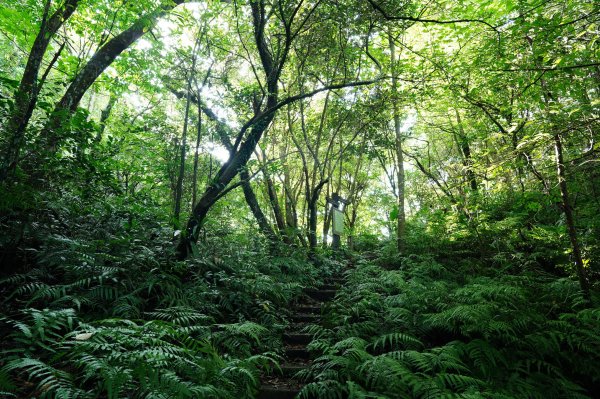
{"points": [[566, 203], [222, 131], [25, 97], [252, 201], [103, 58], [224, 176]]}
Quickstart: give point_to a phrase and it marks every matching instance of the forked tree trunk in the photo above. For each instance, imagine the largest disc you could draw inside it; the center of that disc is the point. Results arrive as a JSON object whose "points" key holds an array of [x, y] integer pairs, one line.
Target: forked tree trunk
{"points": [[249, 195], [224, 176]]}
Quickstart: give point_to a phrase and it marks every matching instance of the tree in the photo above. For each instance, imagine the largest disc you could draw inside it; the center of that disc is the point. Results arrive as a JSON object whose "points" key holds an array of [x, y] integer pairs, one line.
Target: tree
{"points": [[26, 95], [291, 21]]}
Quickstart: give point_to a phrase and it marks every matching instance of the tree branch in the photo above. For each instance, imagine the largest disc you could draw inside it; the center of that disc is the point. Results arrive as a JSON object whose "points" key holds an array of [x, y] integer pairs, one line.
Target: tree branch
{"points": [[555, 68], [297, 97], [426, 20]]}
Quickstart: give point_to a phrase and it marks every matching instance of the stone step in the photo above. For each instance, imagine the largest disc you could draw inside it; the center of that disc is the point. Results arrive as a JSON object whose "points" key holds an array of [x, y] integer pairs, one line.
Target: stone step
{"points": [[290, 369], [329, 287], [305, 317], [323, 295], [306, 300], [297, 353], [298, 327], [297, 338], [309, 309], [277, 392]]}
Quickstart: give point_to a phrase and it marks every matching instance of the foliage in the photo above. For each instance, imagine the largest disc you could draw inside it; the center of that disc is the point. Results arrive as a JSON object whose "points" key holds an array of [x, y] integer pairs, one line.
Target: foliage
{"points": [[428, 329], [497, 106], [104, 313]]}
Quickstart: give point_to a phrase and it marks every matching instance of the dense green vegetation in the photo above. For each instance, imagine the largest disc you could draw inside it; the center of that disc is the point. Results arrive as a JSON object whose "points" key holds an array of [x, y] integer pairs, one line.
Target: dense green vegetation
{"points": [[167, 173], [429, 329]]}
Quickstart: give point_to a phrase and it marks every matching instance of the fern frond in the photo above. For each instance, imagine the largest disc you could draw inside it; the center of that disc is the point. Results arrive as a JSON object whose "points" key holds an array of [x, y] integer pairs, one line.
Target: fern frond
{"points": [[396, 341]]}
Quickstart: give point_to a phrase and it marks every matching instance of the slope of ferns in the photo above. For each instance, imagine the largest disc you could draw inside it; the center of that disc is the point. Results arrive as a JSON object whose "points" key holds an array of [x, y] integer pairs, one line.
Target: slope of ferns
{"points": [[104, 315], [425, 331]]}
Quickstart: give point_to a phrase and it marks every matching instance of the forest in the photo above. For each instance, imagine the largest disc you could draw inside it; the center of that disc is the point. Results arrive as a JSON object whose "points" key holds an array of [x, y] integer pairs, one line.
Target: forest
{"points": [[300, 199]]}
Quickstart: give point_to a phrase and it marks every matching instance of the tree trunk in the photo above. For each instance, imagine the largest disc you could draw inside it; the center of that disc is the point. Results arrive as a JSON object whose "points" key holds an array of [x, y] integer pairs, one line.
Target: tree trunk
{"points": [[326, 224], [179, 184], [465, 150], [566, 205], [196, 154], [401, 223], [224, 176], [249, 196], [274, 201], [290, 217], [312, 214], [104, 115], [351, 224], [25, 97], [252, 201]]}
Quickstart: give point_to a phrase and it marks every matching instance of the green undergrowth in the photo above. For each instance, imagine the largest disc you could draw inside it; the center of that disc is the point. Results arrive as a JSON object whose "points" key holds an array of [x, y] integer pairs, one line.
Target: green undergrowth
{"points": [[108, 313], [429, 330]]}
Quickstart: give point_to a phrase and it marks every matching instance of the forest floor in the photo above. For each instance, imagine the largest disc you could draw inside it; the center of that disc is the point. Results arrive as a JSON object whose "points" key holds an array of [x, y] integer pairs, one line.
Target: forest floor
{"points": [[431, 329], [240, 323]]}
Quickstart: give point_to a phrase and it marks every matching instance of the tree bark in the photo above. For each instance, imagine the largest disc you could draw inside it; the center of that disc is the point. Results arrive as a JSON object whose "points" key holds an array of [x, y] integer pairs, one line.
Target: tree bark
{"points": [[179, 186], [274, 201], [326, 219], [180, 175], [249, 195], [223, 177], [104, 115]]}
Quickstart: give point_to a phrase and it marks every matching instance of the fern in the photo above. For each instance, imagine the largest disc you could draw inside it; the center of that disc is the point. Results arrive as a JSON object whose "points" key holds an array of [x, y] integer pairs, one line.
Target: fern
{"points": [[396, 340], [488, 337]]}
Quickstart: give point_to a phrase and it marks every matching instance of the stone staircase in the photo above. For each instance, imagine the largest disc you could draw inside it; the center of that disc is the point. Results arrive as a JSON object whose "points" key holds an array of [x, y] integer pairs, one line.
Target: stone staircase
{"points": [[307, 310]]}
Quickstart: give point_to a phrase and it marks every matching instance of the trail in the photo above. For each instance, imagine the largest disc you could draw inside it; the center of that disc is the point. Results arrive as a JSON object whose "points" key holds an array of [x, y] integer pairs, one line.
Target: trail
{"points": [[307, 310]]}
